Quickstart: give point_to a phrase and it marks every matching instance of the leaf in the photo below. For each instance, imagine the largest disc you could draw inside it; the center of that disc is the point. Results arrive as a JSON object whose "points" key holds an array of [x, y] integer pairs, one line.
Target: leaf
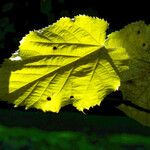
{"points": [[64, 63], [135, 81]]}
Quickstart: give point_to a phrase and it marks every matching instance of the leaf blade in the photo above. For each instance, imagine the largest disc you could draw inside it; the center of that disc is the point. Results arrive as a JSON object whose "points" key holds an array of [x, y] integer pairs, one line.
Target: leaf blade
{"points": [[63, 60], [134, 39]]}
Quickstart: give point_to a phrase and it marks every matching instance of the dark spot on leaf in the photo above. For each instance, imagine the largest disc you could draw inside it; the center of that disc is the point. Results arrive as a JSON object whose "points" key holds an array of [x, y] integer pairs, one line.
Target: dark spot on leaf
{"points": [[71, 96], [144, 44], [48, 98], [129, 82], [54, 48], [138, 32]]}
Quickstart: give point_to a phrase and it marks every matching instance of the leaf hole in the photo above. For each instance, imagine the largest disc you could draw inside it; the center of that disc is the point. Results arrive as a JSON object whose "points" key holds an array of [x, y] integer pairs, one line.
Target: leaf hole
{"points": [[130, 82], [54, 48], [138, 32], [48, 98], [71, 96], [144, 44]]}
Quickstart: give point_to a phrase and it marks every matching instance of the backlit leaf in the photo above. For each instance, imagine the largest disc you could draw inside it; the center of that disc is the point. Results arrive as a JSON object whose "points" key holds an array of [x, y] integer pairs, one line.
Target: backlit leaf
{"points": [[64, 63]]}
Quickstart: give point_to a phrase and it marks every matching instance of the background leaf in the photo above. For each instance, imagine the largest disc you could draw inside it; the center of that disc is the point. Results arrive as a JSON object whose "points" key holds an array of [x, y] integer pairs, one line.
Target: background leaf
{"points": [[135, 82]]}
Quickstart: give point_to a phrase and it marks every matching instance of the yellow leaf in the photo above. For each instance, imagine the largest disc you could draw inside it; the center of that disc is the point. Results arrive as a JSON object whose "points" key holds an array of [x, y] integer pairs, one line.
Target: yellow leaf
{"points": [[64, 63]]}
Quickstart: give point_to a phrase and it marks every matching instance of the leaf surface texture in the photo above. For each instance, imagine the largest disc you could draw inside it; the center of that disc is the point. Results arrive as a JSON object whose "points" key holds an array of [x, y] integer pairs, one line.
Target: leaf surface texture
{"points": [[64, 63]]}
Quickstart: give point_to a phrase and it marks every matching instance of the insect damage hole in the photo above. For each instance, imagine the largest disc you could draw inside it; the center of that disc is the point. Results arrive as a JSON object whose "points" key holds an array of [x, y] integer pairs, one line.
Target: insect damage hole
{"points": [[71, 97], [138, 32], [54, 48], [129, 82], [144, 44], [48, 98]]}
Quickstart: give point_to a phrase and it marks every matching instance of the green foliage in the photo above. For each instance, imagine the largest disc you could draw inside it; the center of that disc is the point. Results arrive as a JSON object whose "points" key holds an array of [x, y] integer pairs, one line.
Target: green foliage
{"points": [[32, 139], [7, 7], [36, 130], [5, 27], [72, 62]]}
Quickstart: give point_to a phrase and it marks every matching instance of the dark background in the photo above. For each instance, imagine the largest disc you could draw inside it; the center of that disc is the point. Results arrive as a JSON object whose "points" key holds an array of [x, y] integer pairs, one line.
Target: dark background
{"points": [[18, 17]]}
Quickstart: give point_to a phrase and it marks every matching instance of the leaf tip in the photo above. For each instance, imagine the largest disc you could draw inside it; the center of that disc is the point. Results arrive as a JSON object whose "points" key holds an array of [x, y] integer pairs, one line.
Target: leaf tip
{"points": [[15, 106], [26, 108]]}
